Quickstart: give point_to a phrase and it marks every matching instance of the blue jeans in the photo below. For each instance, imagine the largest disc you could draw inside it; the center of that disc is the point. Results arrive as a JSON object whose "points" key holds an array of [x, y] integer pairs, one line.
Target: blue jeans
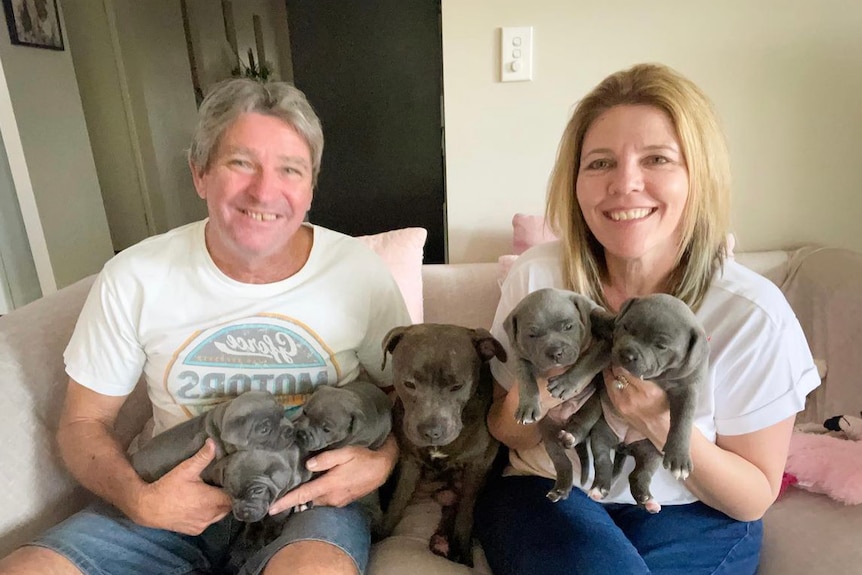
{"points": [[522, 533], [100, 540]]}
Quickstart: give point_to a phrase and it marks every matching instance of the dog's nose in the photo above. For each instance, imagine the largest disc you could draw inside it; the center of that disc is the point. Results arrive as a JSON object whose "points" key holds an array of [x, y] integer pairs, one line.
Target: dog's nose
{"points": [[555, 354], [629, 356], [431, 431]]}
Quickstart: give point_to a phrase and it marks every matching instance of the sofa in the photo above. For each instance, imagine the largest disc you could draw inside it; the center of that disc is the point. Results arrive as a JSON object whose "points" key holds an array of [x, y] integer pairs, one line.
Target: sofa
{"points": [[805, 532]]}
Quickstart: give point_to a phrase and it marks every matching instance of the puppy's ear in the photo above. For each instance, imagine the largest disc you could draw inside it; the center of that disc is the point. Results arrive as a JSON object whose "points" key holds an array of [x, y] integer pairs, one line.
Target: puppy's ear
{"points": [[602, 324], [697, 352], [391, 340], [487, 345], [626, 305], [583, 306], [214, 472]]}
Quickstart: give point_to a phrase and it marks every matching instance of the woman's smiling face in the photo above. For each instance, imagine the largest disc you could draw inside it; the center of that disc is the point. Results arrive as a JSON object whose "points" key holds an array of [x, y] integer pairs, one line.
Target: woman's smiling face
{"points": [[633, 183]]}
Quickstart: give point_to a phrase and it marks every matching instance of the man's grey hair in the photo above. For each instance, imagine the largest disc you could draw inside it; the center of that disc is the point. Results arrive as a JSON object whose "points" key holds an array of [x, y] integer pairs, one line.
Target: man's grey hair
{"points": [[229, 99]]}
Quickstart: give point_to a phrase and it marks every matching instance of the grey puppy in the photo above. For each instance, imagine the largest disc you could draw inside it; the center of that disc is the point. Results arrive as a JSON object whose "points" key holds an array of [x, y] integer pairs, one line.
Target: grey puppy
{"points": [[254, 419], [658, 338], [444, 388], [255, 478], [357, 413], [552, 329]]}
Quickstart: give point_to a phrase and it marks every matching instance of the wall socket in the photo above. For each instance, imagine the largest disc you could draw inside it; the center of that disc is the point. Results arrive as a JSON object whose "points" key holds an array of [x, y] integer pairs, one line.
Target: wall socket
{"points": [[516, 54]]}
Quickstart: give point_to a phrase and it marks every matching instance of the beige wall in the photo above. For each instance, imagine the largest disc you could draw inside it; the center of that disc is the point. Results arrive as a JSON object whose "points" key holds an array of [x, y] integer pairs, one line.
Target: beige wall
{"points": [[52, 166], [786, 78]]}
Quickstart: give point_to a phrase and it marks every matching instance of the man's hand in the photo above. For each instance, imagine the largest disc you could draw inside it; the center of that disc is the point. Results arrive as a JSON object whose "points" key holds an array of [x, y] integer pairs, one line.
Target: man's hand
{"points": [[350, 473], [180, 501]]}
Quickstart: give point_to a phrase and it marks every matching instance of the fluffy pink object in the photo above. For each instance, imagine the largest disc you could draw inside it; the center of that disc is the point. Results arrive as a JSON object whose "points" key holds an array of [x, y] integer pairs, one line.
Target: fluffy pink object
{"points": [[828, 465]]}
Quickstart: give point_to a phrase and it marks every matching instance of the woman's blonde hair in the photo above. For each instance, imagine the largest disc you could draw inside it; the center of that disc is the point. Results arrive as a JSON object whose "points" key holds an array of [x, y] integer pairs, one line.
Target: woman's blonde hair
{"points": [[706, 216]]}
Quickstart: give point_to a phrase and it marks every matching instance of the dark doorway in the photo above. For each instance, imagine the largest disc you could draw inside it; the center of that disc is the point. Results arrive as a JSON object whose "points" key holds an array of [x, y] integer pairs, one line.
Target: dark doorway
{"points": [[373, 72]]}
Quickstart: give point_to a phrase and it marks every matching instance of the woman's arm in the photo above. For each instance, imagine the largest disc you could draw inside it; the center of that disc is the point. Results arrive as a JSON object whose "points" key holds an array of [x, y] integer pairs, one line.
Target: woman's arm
{"points": [[739, 475], [501, 417]]}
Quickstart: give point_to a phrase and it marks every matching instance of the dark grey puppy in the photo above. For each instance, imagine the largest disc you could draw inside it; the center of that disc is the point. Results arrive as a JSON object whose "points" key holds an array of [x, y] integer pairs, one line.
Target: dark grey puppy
{"points": [[551, 329], [254, 419], [357, 413], [658, 338], [255, 478], [444, 388]]}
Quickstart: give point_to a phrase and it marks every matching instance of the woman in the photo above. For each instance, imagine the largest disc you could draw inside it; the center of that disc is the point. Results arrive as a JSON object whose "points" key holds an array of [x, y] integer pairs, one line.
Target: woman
{"points": [[640, 197]]}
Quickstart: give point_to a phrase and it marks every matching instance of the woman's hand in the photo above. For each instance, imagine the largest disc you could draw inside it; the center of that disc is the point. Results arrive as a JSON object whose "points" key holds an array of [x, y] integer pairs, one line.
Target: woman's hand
{"points": [[349, 473], [643, 404]]}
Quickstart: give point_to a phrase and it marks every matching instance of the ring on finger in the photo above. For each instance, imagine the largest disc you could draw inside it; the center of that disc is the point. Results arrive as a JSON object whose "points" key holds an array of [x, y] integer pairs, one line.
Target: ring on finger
{"points": [[621, 382]]}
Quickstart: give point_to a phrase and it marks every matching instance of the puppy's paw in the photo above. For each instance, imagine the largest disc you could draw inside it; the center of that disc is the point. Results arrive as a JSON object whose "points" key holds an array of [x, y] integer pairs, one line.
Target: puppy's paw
{"points": [[561, 387], [597, 493], [439, 545], [528, 412], [568, 440], [652, 506], [678, 462], [557, 494]]}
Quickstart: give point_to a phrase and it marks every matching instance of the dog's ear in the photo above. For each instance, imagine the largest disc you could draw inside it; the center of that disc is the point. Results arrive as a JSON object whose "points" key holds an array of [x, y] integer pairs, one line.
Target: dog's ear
{"points": [[626, 305], [583, 306], [214, 472], [391, 340], [487, 345], [697, 352], [602, 323]]}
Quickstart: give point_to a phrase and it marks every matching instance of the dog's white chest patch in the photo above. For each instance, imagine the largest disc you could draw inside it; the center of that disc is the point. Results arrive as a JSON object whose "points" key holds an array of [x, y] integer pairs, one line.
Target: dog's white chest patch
{"points": [[435, 453]]}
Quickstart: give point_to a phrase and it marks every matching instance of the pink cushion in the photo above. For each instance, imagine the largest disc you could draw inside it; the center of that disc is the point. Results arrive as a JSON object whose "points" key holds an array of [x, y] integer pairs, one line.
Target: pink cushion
{"points": [[828, 465], [529, 231], [402, 251]]}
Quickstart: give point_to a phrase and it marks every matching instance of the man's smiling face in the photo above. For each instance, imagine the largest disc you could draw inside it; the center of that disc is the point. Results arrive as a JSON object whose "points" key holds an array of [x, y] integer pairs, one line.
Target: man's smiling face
{"points": [[258, 189]]}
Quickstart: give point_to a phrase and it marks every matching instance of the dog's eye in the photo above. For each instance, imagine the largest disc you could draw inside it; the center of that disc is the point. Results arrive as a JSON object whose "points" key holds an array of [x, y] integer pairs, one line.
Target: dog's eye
{"points": [[455, 388], [661, 346], [264, 429], [567, 327], [257, 490], [325, 429], [409, 384]]}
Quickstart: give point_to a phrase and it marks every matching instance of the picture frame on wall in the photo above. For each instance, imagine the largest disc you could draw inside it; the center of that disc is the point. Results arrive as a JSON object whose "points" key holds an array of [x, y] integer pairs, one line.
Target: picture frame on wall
{"points": [[34, 23]]}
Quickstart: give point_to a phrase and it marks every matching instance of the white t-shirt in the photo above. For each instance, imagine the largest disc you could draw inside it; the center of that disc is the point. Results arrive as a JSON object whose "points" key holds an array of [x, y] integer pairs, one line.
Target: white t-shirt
{"points": [[760, 366], [163, 308]]}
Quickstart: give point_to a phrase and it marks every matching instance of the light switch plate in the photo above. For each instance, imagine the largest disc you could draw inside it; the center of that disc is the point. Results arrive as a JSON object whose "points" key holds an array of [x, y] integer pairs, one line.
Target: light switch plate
{"points": [[516, 54]]}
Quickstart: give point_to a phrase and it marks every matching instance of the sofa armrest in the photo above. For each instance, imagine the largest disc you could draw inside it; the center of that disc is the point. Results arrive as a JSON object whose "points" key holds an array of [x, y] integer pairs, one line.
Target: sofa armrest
{"points": [[824, 288], [37, 491]]}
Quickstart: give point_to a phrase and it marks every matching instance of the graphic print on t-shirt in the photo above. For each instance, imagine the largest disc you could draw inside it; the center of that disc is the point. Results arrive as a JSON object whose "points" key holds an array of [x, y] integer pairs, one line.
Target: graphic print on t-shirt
{"points": [[266, 352]]}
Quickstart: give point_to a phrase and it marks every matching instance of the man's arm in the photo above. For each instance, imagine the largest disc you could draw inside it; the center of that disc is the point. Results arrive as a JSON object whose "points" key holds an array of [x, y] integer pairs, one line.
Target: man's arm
{"points": [[180, 501]]}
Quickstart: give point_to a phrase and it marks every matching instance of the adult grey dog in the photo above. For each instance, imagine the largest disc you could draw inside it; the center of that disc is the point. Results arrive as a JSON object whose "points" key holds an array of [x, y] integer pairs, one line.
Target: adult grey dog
{"points": [[254, 419], [357, 413], [444, 388], [552, 329], [658, 338]]}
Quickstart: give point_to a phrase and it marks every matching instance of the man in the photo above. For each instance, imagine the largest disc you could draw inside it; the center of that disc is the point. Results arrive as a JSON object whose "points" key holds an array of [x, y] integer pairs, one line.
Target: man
{"points": [[251, 298]]}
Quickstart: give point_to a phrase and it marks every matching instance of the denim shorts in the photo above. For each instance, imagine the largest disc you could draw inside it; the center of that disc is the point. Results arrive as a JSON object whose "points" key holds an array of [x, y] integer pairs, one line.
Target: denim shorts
{"points": [[100, 540]]}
